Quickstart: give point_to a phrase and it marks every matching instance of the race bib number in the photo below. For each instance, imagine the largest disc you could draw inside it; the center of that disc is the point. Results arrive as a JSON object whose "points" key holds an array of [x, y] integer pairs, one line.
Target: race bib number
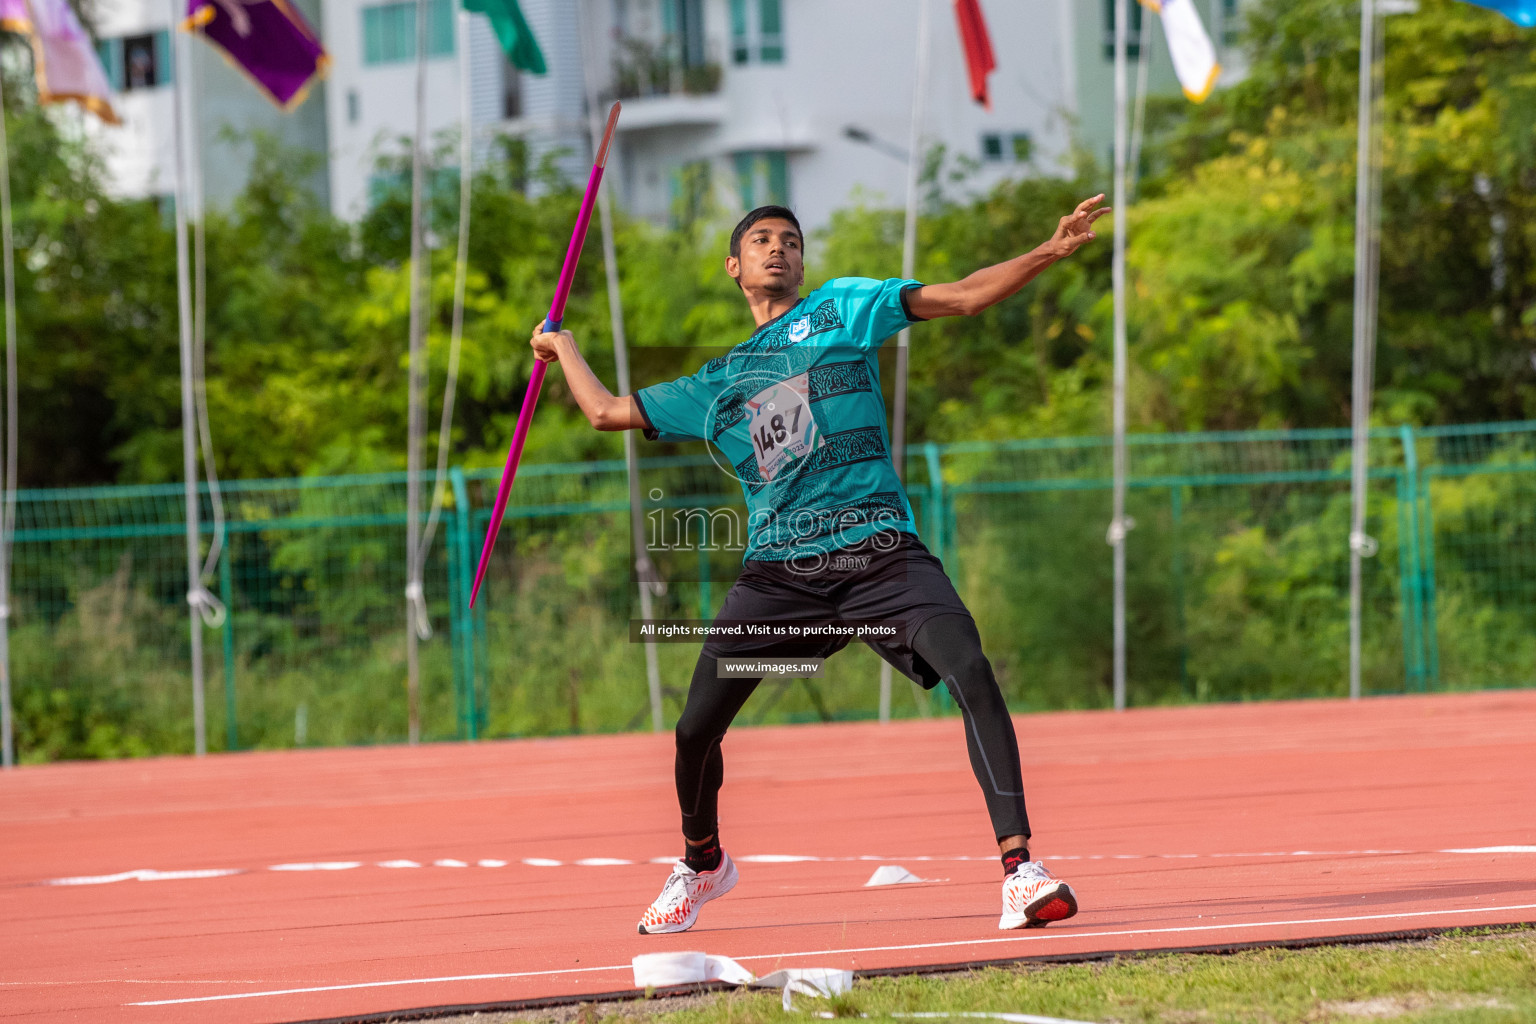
{"points": [[783, 429]]}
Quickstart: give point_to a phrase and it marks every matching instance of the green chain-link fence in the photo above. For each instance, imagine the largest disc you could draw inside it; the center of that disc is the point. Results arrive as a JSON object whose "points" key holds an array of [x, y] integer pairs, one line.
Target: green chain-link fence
{"points": [[1238, 589]]}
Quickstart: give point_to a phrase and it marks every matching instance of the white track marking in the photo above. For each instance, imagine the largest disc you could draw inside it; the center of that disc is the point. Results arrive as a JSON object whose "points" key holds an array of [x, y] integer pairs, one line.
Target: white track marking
{"points": [[1147, 931], [150, 875], [131, 981], [147, 875], [1495, 849], [1031, 938], [1010, 1018], [383, 984]]}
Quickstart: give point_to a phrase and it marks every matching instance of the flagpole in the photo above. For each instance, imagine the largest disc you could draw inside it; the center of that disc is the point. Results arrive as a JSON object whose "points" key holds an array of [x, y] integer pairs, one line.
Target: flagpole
{"points": [[1119, 525], [908, 269], [645, 569], [1367, 250], [1139, 123], [189, 450], [415, 600], [8, 522]]}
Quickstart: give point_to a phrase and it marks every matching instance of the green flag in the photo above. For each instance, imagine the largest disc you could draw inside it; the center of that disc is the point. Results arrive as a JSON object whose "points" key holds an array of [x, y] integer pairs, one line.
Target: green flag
{"points": [[512, 32]]}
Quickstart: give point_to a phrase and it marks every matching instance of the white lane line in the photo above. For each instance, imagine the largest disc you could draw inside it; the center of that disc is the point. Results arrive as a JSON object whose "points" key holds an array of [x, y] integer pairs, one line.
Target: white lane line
{"points": [[149, 875], [131, 981], [1493, 849], [1036, 937], [1010, 1018], [1147, 931], [382, 984]]}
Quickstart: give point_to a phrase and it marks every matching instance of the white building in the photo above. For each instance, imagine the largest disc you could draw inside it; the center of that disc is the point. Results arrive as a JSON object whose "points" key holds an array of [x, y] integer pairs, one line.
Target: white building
{"points": [[806, 102], [753, 99]]}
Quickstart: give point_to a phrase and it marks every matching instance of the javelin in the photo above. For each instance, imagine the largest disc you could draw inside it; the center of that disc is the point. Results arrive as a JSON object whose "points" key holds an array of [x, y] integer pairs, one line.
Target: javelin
{"points": [[551, 323]]}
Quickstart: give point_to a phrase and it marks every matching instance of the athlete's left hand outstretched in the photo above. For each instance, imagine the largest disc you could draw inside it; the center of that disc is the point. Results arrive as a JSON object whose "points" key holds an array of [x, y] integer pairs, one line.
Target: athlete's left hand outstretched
{"points": [[1076, 229]]}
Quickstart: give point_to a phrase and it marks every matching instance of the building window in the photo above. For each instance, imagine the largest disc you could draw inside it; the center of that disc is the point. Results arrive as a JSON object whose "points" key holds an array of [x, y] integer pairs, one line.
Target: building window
{"points": [[770, 20], [757, 31], [354, 106], [1133, 43], [511, 90], [1231, 23], [682, 22], [136, 62], [1017, 147], [762, 177], [389, 31]]}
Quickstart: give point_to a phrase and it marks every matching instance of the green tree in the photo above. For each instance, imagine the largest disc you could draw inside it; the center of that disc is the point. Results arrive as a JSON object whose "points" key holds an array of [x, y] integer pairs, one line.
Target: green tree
{"points": [[1243, 250]]}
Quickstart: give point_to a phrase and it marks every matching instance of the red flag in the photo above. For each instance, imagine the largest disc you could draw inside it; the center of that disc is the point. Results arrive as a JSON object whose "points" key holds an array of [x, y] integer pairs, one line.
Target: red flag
{"points": [[979, 60]]}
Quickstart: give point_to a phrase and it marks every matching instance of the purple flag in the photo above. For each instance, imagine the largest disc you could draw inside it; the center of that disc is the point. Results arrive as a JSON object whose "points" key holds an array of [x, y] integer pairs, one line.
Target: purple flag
{"points": [[267, 39]]}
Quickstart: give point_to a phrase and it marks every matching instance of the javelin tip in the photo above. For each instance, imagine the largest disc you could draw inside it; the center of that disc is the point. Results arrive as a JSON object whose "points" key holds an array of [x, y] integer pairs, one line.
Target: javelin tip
{"points": [[613, 121]]}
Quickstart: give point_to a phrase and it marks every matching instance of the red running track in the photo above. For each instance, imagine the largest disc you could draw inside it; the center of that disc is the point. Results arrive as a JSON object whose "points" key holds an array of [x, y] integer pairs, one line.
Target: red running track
{"points": [[1179, 827]]}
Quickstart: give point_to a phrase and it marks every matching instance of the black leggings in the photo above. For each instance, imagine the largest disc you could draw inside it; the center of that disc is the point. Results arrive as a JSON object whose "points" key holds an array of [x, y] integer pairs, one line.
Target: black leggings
{"points": [[948, 643]]}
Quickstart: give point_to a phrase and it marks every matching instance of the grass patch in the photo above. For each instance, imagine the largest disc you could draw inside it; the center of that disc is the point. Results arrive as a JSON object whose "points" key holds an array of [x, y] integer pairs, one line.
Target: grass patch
{"points": [[1474, 977]]}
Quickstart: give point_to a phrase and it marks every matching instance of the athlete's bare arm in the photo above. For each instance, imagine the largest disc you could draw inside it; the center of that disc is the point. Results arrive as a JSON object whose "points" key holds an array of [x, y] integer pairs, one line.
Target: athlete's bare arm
{"points": [[991, 285], [603, 409]]}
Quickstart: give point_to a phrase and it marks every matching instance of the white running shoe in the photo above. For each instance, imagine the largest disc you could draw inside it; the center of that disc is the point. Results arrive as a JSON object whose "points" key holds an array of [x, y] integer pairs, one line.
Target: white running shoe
{"points": [[686, 891], [1033, 899]]}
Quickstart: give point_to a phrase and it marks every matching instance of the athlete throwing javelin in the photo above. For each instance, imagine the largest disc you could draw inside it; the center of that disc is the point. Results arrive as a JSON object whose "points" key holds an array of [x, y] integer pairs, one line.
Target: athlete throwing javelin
{"points": [[796, 409]]}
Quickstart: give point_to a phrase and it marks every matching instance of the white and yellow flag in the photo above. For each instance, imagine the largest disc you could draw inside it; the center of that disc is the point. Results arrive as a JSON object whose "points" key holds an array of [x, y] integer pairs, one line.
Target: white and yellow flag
{"points": [[1194, 57]]}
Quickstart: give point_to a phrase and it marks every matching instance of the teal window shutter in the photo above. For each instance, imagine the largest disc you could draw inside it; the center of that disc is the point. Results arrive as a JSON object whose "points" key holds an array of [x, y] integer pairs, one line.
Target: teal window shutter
{"points": [[778, 178], [745, 166], [770, 20], [439, 28], [741, 50], [165, 59], [1133, 32], [389, 31], [111, 53], [373, 35]]}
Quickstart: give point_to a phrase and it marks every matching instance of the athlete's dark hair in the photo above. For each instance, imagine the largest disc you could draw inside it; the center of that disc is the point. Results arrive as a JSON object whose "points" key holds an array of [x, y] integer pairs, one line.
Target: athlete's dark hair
{"points": [[761, 213]]}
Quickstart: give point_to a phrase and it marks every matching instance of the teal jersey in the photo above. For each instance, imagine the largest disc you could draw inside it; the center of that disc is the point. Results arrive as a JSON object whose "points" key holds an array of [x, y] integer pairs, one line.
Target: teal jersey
{"points": [[795, 413]]}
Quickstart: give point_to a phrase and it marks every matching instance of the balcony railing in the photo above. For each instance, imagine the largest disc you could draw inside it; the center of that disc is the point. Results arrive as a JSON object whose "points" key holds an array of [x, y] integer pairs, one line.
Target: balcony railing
{"points": [[644, 68]]}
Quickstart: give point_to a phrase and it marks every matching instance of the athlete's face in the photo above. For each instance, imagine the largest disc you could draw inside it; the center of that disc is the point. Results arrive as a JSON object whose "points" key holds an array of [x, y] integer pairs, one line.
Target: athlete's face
{"points": [[772, 259]]}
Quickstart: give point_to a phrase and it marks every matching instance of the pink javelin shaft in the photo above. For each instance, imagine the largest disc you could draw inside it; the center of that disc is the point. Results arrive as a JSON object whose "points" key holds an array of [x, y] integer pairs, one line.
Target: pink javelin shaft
{"points": [[536, 378]]}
